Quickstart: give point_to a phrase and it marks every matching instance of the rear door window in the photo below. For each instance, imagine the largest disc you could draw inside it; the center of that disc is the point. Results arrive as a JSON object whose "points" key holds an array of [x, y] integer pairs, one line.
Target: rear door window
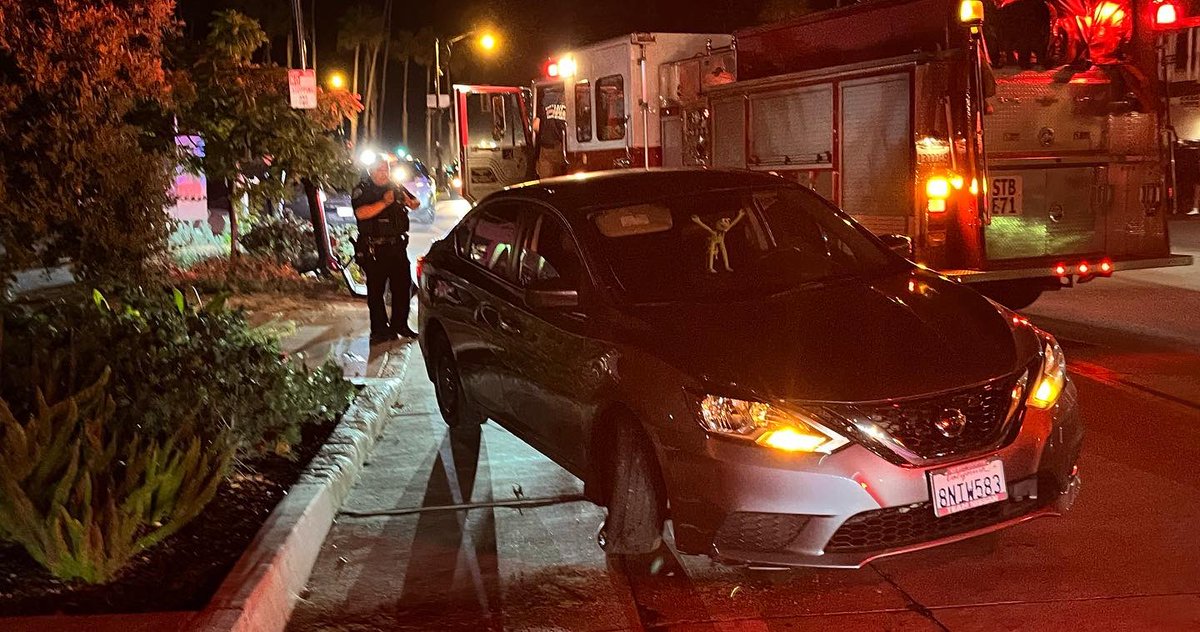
{"points": [[550, 258], [493, 240]]}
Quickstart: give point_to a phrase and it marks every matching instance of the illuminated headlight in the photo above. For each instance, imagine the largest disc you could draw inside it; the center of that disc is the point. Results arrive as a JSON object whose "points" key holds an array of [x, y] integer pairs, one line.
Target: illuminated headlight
{"points": [[1052, 377], [399, 174], [788, 430]]}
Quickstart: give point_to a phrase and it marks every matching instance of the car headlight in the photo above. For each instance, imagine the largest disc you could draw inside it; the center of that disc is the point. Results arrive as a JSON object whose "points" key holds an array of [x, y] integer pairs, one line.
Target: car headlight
{"points": [[769, 425], [1052, 377]]}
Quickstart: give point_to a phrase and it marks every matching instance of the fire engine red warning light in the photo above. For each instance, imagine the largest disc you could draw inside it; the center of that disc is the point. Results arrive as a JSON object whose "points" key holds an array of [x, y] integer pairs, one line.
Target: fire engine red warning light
{"points": [[1060, 270], [551, 69], [1166, 14], [1084, 268], [1106, 266]]}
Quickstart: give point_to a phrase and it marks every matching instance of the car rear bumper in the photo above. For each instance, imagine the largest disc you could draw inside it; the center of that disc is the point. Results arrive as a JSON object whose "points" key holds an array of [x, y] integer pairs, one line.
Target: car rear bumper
{"points": [[749, 505]]}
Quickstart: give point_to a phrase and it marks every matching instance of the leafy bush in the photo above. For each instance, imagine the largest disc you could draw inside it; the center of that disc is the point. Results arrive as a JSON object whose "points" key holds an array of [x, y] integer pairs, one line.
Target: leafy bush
{"points": [[189, 245], [343, 236], [84, 495], [172, 366], [284, 240], [249, 274]]}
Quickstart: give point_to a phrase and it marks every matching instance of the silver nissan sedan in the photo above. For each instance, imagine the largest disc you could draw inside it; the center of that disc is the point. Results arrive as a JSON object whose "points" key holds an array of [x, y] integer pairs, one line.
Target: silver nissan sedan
{"points": [[730, 354]]}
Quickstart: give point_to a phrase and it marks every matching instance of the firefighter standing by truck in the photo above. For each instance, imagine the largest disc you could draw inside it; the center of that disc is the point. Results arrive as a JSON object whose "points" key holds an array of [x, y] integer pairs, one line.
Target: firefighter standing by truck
{"points": [[550, 127], [381, 209]]}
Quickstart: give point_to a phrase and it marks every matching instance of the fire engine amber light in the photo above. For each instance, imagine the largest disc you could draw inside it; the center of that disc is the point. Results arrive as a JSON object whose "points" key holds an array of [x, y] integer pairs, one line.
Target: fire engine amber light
{"points": [[937, 188], [970, 12]]}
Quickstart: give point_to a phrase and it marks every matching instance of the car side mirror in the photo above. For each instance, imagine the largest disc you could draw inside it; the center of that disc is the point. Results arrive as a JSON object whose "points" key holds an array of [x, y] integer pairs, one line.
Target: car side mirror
{"points": [[899, 244], [548, 299]]}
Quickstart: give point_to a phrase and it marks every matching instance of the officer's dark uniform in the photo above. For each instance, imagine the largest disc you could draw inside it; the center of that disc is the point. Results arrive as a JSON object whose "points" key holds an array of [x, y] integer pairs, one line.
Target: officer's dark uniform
{"points": [[382, 251]]}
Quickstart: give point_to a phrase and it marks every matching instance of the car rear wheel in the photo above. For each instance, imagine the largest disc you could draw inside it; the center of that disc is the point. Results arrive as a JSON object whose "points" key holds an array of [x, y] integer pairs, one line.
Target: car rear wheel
{"points": [[457, 409], [636, 500]]}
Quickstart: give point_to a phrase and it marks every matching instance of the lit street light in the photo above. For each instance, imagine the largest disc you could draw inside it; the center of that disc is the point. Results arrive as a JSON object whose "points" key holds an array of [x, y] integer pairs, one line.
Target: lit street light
{"points": [[488, 41], [337, 81]]}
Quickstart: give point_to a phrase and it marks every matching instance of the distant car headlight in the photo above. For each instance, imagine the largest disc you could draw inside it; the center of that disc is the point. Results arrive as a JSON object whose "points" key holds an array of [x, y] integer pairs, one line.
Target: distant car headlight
{"points": [[784, 429], [1052, 377]]}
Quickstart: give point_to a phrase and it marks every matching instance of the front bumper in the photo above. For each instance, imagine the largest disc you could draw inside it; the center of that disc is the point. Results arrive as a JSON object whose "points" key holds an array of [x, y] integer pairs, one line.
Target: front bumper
{"points": [[746, 504]]}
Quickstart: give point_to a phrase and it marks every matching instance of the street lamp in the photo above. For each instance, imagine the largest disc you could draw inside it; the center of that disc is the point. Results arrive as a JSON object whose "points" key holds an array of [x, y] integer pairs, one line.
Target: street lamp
{"points": [[337, 80], [487, 41]]}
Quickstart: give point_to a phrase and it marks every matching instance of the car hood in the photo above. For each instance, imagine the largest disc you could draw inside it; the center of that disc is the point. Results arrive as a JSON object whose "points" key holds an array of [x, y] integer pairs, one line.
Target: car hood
{"points": [[853, 340]]}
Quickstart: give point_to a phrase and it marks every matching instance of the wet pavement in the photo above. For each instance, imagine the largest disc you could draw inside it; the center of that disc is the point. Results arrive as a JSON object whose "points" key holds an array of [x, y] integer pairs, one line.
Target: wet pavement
{"points": [[1124, 559]]}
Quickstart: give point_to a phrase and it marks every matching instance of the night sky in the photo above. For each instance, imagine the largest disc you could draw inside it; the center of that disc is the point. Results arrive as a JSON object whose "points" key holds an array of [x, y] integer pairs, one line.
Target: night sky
{"points": [[529, 31]]}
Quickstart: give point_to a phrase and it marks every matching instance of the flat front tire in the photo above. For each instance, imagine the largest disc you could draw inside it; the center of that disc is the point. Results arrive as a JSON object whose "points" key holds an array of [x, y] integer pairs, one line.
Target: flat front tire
{"points": [[636, 503], [456, 407]]}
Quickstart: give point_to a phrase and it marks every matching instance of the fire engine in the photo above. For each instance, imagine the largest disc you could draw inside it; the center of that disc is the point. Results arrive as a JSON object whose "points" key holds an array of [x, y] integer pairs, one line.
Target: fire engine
{"points": [[1020, 180], [905, 114]]}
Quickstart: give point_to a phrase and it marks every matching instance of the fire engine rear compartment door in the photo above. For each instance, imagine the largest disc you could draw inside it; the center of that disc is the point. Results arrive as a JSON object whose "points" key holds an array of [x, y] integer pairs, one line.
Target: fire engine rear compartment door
{"points": [[876, 152], [1038, 212], [494, 148]]}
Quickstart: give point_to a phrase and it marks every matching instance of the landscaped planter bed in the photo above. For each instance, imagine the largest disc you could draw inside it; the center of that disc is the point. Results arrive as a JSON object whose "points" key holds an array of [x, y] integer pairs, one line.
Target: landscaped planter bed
{"points": [[185, 570]]}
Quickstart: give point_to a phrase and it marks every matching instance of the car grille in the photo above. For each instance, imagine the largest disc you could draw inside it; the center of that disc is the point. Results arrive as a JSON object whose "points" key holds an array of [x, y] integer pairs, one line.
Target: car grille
{"points": [[882, 529], [912, 425], [747, 531]]}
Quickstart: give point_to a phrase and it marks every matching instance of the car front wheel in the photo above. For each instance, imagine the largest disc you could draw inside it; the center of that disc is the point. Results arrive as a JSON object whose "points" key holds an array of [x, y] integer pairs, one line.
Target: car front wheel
{"points": [[636, 503], [457, 409]]}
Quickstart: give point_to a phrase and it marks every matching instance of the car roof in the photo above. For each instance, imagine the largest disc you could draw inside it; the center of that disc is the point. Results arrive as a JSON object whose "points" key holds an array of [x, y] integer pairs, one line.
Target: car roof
{"points": [[628, 186]]}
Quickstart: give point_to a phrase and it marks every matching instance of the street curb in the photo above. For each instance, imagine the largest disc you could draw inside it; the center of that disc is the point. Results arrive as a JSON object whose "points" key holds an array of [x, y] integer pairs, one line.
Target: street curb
{"points": [[260, 592]]}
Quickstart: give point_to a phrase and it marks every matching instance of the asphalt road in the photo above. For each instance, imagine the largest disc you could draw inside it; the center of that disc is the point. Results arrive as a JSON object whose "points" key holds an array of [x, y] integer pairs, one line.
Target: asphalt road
{"points": [[1126, 557]]}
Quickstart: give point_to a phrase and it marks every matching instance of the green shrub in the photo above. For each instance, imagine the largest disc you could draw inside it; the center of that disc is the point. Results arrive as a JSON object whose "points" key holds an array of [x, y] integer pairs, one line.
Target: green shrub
{"points": [[283, 240], [189, 245], [83, 495], [251, 274], [172, 365]]}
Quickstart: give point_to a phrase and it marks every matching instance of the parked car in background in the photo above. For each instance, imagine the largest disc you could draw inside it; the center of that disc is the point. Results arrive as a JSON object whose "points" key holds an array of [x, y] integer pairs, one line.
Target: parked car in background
{"points": [[732, 352]]}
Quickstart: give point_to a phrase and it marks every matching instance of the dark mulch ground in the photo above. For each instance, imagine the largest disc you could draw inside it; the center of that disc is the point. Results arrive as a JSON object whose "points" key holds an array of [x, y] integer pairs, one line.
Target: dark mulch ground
{"points": [[182, 572]]}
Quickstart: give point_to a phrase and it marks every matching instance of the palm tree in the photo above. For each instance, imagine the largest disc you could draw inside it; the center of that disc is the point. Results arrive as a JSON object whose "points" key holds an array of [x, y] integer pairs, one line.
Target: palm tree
{"points": [[404, 49], [360, 30]]}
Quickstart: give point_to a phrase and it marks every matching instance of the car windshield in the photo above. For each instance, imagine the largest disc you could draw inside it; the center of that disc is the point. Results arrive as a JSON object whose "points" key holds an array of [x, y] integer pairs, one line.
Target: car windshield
{"points": [[733, 243]]}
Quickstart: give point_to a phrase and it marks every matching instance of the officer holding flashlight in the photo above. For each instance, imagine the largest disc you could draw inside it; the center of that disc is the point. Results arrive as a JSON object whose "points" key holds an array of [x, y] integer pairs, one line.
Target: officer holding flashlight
{"points": [[381, 208]]}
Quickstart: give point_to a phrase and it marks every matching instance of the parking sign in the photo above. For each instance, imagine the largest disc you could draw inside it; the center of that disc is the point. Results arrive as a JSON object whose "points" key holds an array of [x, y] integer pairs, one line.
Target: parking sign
{"points": [[302, 86]]}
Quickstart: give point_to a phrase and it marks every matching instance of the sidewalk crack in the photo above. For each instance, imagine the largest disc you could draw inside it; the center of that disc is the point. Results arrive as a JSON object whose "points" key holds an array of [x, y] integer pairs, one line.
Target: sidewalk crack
{"points": [[912, 604]]}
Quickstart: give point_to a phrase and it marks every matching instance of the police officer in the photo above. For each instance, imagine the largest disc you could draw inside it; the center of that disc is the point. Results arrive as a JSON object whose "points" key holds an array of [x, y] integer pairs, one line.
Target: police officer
{"points": [[550, 126], [381, 208]]}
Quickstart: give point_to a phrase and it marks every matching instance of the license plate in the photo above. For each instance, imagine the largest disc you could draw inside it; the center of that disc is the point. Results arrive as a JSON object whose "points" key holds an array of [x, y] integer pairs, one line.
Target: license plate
{"points": [[961, 487], [1007, 196]]}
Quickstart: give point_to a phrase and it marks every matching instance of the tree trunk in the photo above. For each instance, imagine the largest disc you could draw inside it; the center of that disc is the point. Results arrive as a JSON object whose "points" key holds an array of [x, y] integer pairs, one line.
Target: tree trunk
{"points": [[236, 191], [429, 119], [404, 111], [369, 101], [354, 89], [290, 45], [316, 213], [387, 50]]}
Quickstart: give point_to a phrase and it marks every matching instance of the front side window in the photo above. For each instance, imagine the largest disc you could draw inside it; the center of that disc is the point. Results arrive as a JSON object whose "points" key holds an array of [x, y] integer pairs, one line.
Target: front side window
{"points": [[493, 240], [610, 108], [719, 244], [550, 259], [583, 112]]}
